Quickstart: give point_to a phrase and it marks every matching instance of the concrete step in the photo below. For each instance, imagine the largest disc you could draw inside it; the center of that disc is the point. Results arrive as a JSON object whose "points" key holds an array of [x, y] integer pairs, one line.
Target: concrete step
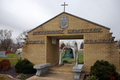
{"points": [[42, 78], [61, 71], [56, 76], [62, 76], [53, 76], [66, 68]]}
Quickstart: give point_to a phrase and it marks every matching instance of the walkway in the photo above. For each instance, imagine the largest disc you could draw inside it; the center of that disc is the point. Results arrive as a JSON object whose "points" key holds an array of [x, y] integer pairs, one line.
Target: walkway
{"points": [[56, 76], [58, 73]]}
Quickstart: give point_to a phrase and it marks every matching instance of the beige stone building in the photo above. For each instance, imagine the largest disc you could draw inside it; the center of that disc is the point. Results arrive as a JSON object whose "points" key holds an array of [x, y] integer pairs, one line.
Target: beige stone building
{"points": [[42, 42]]}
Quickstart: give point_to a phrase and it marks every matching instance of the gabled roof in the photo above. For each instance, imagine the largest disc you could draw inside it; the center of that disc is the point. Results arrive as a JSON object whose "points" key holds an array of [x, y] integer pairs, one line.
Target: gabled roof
{"points": [[71, 15]]}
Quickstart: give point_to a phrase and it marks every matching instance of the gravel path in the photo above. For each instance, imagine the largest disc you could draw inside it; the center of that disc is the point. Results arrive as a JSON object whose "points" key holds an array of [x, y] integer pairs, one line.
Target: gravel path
{"points": [[13, 73]]}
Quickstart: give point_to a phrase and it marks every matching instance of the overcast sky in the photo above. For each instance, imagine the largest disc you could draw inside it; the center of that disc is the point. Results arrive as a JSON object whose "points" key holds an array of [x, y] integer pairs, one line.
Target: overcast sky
{"points": [[21, 15]]}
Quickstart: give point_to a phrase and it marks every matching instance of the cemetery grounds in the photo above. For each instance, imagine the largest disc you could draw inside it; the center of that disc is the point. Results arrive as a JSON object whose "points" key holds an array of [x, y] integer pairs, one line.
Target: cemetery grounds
{"points": [[12, 57]]}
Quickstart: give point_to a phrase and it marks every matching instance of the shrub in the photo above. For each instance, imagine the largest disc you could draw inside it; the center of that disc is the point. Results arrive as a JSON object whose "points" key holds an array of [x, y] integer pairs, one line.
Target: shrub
{"points": [[81, 62], [21, 76], [102, 70], [65, 61], [92, 78], [24, 66], [5, 65], [1, 77]]}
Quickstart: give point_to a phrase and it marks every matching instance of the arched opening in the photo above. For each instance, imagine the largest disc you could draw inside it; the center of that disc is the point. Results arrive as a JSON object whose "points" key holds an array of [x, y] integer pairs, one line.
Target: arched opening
{"points": [[69, 43], [53, 48]]}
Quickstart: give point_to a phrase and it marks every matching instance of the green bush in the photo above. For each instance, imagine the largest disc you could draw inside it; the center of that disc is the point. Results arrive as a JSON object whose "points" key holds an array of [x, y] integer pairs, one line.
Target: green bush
{"points": [[5, 65], [1, 77], [81, 62], [21, 76], [102, 70], [65, 61], [92, 78], [24, 66]]}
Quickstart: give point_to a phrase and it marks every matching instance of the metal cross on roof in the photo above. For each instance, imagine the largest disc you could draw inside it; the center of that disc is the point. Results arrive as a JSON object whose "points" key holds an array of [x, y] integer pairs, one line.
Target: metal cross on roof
{"points": [[64, 5]]}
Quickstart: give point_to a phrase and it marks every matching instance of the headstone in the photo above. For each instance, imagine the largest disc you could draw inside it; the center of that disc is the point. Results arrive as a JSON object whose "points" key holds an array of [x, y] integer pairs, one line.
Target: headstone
{"points": [[80, 52], [17, 52], [20, 55], [3, 54]]}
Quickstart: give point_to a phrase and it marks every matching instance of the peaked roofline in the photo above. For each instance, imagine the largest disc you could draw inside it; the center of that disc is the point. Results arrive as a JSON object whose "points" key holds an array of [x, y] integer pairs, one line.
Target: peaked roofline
{"points": [[71, 15], [89, 21]]}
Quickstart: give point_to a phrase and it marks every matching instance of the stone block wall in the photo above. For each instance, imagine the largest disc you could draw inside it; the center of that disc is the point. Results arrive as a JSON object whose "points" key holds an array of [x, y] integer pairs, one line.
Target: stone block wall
{"points": [[52, 51], [48, 52]]}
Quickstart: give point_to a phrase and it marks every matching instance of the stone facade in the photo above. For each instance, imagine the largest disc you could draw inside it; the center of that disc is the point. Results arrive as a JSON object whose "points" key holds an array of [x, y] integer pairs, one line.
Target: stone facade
{"points": [[99, 43]]}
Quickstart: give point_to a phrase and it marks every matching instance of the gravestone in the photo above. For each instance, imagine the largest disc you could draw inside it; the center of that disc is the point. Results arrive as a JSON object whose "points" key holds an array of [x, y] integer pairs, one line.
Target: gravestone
{"points": [[3, 54], [20, 55], [17, 52], [80, 52]]}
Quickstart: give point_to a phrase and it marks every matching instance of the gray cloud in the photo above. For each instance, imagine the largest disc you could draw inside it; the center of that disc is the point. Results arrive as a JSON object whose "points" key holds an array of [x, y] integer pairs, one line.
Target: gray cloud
{"points": [[20, 15]]}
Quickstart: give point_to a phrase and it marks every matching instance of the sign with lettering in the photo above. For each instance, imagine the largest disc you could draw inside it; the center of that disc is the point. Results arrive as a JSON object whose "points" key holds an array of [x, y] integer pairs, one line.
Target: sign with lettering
{"points": [[99, 41], [70, 31], [35, 42], [48, 32], [85, 30]]}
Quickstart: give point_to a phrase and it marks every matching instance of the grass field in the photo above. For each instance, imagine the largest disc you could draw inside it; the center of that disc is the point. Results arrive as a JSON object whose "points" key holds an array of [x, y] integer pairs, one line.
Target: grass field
{"points": [[80, 57], [13, 58]]}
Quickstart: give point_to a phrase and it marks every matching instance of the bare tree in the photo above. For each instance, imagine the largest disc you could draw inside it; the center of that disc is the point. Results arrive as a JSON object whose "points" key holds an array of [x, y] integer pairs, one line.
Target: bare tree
{"points": [[118, 43], [21, 38], [5, 39], [62, 45], [82, 46]]}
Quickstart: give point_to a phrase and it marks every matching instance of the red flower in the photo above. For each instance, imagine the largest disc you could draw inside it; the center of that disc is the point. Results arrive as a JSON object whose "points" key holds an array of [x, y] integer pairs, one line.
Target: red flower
{"points": [[6, 52], [111, 76], [18, 53]]}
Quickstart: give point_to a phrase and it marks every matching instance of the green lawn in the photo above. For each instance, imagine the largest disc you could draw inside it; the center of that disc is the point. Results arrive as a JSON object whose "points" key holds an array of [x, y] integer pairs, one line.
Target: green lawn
{"points": [[12, 57], [80, 57]]}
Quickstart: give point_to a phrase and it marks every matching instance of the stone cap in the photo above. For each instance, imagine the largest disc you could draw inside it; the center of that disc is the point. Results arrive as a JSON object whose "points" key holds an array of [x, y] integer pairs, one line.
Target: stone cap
{"points": [[77, 68], [40, 66]]}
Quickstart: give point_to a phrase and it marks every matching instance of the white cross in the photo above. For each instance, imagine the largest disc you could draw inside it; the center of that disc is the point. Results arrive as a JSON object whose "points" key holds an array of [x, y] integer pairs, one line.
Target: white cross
{"points": [[64, 5]]}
